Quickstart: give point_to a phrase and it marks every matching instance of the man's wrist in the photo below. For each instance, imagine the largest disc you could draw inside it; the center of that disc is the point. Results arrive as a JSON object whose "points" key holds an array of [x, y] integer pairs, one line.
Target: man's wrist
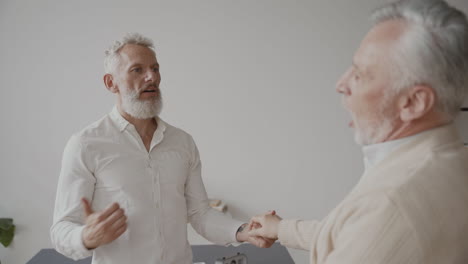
{"points": [[240, 234], [83, 241]]}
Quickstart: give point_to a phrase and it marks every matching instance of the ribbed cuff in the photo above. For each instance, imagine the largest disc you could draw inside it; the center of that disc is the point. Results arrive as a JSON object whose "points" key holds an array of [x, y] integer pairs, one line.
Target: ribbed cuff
{"points": [[285, 234]]}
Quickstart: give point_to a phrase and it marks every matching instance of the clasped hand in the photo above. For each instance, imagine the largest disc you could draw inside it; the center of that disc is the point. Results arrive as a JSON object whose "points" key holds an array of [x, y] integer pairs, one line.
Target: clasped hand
{"points": [[265, 226]]}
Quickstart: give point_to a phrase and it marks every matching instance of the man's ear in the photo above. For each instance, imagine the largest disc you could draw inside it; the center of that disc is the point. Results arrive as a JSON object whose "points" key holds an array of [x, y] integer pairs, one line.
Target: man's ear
{"points": [[416, 103], [109, 83]]}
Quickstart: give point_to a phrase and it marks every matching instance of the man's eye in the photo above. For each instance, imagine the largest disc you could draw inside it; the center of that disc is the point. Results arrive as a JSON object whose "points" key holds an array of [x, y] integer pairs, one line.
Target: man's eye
{"points": [[136, 70], [155, 69]]}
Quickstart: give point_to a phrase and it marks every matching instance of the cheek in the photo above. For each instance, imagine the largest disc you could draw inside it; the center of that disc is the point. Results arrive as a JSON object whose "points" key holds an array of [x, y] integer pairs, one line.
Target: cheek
{"points": [[365, 102]]}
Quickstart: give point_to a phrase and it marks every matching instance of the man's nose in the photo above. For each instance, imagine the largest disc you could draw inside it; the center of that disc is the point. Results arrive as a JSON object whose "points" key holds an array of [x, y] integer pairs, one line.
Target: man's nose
{"points": [[342, 84], [151, 76]]}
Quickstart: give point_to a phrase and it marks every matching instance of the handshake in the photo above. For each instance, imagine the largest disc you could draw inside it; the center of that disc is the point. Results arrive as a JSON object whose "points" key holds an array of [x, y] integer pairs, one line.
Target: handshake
{"points": [[261, 231], [105, 226]]}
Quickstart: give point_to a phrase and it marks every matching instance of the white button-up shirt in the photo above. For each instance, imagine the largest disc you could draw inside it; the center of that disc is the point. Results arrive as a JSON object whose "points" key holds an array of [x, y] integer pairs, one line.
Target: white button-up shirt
{"points": [[161, 190]]}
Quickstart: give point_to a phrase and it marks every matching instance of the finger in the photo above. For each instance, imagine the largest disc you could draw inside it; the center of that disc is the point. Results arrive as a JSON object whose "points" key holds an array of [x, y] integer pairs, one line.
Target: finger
{"points": [[258, 241], [269, 242], [119, 223], [251, 225], [119, 231], [258, 219], [87, 207], [108, 211], [254, 225], [117, 214], [256, 232]]}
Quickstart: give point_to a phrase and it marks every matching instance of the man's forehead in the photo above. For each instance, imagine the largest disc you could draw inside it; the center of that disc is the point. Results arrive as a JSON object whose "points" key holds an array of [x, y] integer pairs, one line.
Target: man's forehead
{"points": [[378, 45], [132, 53]]}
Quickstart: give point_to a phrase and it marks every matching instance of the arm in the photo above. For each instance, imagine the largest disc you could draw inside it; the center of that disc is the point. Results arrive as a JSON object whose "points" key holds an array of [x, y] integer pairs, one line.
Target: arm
{"points": [[372, 230], [76, 181], [292, 233], [299, 234], [211, 224], [376, 232]]}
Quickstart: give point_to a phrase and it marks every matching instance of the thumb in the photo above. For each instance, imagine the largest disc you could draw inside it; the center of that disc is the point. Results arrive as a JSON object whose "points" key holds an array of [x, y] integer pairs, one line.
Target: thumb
{"points": [[257, 220], [87, 207], [256, 232]]}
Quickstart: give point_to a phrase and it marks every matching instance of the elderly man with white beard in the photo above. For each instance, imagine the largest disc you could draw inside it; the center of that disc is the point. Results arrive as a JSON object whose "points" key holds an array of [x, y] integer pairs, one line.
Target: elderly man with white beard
{"points": [[131, 182], [406, 84]]}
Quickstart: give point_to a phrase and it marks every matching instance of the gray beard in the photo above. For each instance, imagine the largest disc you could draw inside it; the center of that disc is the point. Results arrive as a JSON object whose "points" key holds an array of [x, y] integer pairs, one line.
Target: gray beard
{"points": [[141, 109]]}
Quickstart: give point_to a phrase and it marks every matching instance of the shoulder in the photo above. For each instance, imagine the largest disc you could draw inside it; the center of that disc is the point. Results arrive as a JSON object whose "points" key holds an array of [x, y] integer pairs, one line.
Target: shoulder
{"points": [[174, 133], [103, 128]]}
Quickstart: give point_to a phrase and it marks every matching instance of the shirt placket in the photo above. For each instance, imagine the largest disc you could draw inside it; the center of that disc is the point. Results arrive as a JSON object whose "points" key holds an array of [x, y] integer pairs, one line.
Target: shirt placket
{"points": [[156, 189]]}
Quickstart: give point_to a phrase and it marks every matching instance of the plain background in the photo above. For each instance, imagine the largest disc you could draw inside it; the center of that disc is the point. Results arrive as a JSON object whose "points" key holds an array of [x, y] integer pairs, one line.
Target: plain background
{"points": [[252, 81]]}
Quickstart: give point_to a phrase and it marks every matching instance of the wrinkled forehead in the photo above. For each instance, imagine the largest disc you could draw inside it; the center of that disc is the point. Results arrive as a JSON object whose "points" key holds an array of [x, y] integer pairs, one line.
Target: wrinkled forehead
{"points": [[136, 54], [379, 45]]}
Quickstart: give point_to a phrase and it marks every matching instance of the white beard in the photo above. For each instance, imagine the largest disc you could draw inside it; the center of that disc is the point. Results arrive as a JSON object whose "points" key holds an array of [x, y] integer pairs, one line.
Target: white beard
{"points": [[141, 109], [373, 132], [369, 132]]}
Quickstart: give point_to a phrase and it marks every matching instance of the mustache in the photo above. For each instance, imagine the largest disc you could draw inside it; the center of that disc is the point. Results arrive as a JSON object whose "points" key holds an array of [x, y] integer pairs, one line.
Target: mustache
{"points": [[150, 86], [135, 93]]}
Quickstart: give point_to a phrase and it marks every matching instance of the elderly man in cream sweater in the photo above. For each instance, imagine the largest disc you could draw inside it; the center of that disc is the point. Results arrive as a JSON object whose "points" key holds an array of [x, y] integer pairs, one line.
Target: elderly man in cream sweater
{"points": [[404, 88]]}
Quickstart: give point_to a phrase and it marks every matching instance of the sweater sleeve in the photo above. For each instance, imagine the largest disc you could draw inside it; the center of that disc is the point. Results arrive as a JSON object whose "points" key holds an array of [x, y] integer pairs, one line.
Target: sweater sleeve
{"points": [[298, 234], [364, 231], [374, 231]]}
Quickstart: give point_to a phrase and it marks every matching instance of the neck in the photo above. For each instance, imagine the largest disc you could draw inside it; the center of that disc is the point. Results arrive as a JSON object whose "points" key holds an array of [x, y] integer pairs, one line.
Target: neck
{"points": [[144, 127], [404, 129]]}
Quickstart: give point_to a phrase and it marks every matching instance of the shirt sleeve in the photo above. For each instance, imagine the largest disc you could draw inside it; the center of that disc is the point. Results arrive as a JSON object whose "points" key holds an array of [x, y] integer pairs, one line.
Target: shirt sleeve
{"points": [[76, 180], [211, 224]]}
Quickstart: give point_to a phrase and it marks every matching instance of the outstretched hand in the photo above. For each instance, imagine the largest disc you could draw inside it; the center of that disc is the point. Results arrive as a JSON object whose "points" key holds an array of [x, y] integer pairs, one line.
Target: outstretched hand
{"points": [[265, 225], [261, 242], [102, 227]]}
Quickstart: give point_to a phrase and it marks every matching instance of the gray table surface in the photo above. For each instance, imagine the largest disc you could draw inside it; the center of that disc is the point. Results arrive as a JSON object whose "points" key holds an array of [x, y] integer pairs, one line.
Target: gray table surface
{"points": [[277, 254]]}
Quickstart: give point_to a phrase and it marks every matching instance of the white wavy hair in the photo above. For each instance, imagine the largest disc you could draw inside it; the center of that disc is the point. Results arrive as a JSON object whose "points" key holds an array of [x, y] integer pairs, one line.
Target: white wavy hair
{"points": [[433, 51], [112, 53]]}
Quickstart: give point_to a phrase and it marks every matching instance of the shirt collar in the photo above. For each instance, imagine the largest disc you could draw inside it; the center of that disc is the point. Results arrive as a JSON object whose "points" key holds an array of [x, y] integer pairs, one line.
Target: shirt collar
{"points": [[375, 153], [122, 123], [118, 119]]}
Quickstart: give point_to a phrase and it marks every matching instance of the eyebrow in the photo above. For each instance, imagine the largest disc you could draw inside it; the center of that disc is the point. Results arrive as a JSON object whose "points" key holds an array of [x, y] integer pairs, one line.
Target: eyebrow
{"points": [[139, 64]]}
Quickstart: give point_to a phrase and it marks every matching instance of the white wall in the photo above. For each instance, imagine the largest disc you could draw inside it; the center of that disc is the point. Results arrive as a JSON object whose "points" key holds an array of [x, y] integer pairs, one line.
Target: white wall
{"points": [[252, 81]]}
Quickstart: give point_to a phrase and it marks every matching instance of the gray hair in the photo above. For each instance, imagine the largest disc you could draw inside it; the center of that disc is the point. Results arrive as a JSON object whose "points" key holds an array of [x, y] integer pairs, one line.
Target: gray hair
{"points": [[433, 51], [112, 53]]}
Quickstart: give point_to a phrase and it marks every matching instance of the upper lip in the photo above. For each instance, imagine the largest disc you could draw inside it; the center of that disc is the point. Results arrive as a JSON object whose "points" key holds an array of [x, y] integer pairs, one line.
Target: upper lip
{"points": [[151, 88]]}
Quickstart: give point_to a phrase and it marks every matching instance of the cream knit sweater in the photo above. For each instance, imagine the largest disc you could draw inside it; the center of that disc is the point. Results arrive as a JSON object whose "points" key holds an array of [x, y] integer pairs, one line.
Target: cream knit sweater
{"points": [[411, 208]]}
